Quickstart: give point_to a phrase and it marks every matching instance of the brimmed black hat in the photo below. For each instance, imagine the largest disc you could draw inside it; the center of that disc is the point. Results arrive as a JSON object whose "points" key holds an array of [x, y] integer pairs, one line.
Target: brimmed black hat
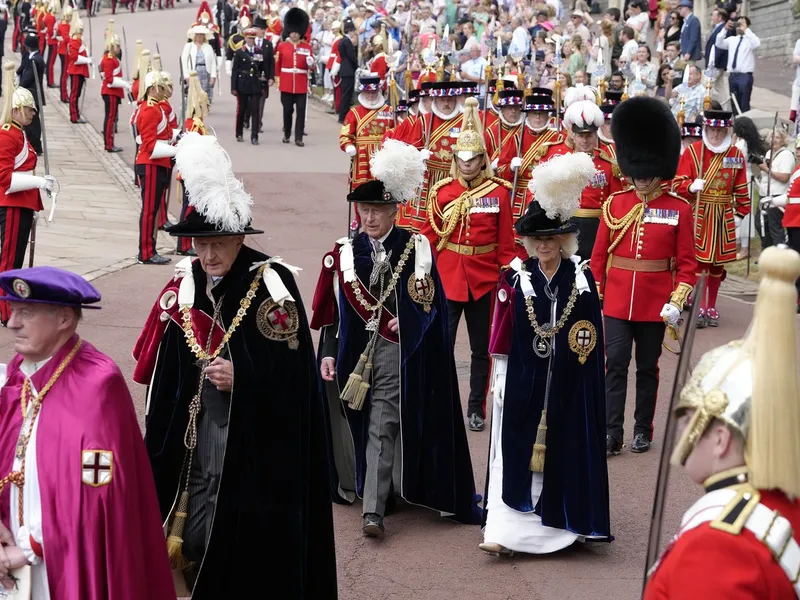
{"points": [[402, 107], [612, 97], [369, 84], [371, 192], [647, 138], [692, 130], [717, 118], [194, 225], [535, 222], [540, 100], [439, 89], [510, 97], [413, 96], [507, 85]]}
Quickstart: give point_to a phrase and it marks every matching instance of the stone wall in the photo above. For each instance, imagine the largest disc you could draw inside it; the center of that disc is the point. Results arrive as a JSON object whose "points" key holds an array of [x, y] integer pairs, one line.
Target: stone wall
{"points": [[777, 26]]}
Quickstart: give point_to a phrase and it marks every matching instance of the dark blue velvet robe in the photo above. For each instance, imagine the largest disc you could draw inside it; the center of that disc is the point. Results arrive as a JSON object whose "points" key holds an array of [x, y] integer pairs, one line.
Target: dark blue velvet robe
{"points": [[575, 486], [436, 465]]}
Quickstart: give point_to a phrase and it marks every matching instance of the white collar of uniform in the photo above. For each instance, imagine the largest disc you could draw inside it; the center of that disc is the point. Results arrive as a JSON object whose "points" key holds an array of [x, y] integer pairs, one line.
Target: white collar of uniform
{"points": [[379, 102]]}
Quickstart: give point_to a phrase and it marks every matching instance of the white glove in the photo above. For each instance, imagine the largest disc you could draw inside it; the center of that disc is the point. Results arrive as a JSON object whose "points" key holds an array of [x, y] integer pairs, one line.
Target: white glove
{"points": [[670, 314], [425, 153], [780, 201], [494, 164], [48, 183], [219, 63], [310, 61], [516, 163], [697, 185], [350, 149], [228, 67]]}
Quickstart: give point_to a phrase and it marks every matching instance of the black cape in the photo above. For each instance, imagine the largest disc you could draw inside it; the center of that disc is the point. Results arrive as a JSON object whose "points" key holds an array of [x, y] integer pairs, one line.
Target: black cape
{"points": [[274, 491]]}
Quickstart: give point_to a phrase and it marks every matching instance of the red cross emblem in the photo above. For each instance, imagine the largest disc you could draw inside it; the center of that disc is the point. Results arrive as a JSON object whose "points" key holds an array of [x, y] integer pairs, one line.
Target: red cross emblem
{"points": [[97, 467], [280, 319], [422, 287]]}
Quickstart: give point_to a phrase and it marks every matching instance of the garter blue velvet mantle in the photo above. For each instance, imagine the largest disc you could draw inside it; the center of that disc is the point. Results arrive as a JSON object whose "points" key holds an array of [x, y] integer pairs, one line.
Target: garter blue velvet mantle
{"points": [[574, 493]]}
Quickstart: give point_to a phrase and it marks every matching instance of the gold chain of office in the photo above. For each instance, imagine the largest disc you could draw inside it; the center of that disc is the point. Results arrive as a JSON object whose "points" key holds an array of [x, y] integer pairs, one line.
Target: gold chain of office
{"points": [[359, 294], [548, 331]]}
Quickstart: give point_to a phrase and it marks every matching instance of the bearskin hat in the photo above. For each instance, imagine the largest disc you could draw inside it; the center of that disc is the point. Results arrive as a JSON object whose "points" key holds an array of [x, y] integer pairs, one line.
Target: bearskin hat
{"points": [[295, 21], [647, 138]]}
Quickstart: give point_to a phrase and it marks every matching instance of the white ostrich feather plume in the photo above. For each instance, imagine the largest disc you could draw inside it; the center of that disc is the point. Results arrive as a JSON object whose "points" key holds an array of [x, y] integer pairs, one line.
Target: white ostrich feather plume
{"points": [[582, 113], [400, 167], [558, 183], [579, 92], [213, 189]]}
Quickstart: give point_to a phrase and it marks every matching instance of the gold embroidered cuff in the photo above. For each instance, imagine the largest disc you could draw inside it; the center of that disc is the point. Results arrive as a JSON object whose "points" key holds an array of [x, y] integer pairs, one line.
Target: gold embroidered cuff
{"points": [[680, 295]]}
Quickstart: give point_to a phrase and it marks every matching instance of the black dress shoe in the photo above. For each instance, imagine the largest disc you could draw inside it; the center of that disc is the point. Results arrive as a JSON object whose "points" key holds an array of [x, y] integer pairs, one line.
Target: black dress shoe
{"points": [[299, 143], [613, 447], [373, 526], [114, 149], [254, 142], [247, 125], [239, 138], [156, 259], [285, 140], [476, 422], [641, 443], [81, 121]]}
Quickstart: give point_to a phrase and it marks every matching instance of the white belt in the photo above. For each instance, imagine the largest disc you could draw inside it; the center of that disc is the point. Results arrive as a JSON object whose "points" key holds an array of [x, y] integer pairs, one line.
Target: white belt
{"points": [[793, 201], [296, 71]]}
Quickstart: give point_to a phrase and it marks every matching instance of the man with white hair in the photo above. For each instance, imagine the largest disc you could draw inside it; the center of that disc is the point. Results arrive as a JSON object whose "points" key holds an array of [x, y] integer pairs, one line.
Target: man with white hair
{"points": [[503, 127], [582, 120]]}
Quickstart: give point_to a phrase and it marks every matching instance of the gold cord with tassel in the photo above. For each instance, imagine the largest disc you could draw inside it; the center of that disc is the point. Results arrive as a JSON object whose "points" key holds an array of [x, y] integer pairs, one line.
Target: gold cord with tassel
{"points": [[540, 446], [440, 70], [175, 537], [408, 82], [498, 87]]}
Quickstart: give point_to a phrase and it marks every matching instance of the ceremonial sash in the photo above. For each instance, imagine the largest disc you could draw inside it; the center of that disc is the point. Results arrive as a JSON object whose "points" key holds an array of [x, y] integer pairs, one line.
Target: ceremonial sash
{"points": [[361, 123], [543, 139], [362, 312]]}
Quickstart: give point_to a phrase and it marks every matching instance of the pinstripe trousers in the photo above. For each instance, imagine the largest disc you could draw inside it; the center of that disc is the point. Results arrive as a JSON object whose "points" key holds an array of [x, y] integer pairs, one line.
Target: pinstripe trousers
{"points": [[384, 426]]}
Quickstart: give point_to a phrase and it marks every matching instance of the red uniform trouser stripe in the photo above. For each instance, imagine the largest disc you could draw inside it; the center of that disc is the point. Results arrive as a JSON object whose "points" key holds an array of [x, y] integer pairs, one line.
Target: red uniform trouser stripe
{"points": [[112, 103], [15, 228], [64, 78], [185, 243], [164, 201], [52, 50], [75, 87], [152, 180], [15, 36]]}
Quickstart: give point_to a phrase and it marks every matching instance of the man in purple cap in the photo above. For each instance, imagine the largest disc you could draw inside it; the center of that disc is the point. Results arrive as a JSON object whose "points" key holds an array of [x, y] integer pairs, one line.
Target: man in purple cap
{"points": [[72, 533]]}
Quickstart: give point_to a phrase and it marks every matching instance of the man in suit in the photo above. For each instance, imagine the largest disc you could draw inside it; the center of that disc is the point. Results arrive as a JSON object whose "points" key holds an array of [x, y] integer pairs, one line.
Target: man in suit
{"points": [[248, 64], [264, 47], [347, 71], [718, 57], [32, 59], [690, 32], [229, 17]]}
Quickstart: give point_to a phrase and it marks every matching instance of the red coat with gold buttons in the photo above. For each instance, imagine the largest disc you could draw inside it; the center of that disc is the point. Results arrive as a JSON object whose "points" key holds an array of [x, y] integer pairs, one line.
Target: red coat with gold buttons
{"points": [[658, 229], [497, 136], [791, 216], [482, 239], [291, 65]]}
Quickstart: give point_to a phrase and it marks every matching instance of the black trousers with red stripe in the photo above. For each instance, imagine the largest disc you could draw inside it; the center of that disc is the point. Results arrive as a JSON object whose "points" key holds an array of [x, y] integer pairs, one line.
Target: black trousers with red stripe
{"points": [[152, 182], [112, 106], [15, 229], [75, 89], [64, 79], [163, 204], [52, 51], [185, 243]]}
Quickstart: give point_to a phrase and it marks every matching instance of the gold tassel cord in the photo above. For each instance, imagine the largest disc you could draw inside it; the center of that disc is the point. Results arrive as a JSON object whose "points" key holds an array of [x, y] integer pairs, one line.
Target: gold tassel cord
{"points": [[354, 380], [175, 539], [540, 446]]}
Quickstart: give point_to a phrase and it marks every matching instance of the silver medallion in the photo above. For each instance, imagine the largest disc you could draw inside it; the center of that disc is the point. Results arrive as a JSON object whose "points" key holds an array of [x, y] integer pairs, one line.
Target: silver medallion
{"points": [[542, 347], [372, 324]]}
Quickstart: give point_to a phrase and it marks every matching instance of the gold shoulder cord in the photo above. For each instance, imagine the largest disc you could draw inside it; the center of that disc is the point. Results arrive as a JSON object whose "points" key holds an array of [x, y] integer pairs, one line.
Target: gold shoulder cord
{"points": [[461, 206], [622, 225]]}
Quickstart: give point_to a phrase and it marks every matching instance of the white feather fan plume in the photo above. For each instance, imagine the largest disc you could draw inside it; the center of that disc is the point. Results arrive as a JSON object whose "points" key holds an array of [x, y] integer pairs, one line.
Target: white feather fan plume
{"points": [[583, 113], [400, 167], [558, 183], [213, 189], [579, 92]]}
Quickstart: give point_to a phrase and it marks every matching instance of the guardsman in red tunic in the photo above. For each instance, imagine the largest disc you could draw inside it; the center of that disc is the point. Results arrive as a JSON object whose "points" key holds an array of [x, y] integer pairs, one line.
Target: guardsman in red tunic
{"points": [[294, 58], [582, 121], [274, 24], [112, 89], [38, 14], [471, 231], [643, 261], [503, 127], [790, 202], [153, 163], [52, 45], [738, 416], [435, 134], [334, 64], [78, 61], [536, 141], [19, 187], [364, 128], [713, 175], [62, 37]]}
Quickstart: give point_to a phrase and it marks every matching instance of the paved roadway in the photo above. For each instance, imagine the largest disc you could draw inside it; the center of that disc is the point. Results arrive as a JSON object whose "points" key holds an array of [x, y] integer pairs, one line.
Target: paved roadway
{"points": [[299, 201]]}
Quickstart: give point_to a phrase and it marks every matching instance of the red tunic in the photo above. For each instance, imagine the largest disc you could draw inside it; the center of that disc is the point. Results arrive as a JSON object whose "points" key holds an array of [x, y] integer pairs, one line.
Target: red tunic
{"points": [[443, 136], [603, 184], [380, 67], [172, 118], [17, 154], [334, 56], [364, 128], [110, 68], [724, 195], [152, 125], [497, 136], [274, 30], [291, 65], [480, 244], [76, 49], [50, 29], [41, 29], [663, 231], [135, 89], [791, 216], [62, 31]]}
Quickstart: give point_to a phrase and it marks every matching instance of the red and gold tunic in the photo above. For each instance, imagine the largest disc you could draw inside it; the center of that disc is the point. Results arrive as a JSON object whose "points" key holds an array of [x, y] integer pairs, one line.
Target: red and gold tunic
{"points": [[109, 69], [791, 215], [724, 195], [364, 128], [643, 254], [471, 233], [17, 156], [153, 126], [438, 136], [75, 49], [536, 147], [497, 135], [62, 32], [291, 66]]}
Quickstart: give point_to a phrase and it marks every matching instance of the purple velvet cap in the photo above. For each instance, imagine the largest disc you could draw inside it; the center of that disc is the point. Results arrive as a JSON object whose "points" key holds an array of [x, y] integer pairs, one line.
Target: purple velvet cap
{"points": [[48, 285]]}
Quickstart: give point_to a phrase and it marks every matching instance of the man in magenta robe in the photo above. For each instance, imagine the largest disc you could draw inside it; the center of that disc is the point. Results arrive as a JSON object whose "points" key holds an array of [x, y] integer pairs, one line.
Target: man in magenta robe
{"points": [[88, 526]]}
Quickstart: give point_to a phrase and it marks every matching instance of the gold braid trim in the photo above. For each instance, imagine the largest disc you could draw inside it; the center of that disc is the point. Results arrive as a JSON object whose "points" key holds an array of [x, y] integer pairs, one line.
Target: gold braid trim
{"points": [[502, 182], [622, 225]]}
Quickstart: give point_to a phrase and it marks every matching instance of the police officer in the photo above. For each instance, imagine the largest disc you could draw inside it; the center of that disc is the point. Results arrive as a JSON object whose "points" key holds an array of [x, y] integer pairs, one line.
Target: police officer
{"points": [[248, 64]]}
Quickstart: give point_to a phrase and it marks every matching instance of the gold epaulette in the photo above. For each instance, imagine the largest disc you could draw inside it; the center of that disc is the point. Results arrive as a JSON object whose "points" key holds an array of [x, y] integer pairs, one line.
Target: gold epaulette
{"points": [[6, 127], [615, 170], [603, 155], [438, 185], [676, 196], [502, 182], [233, 44], [738, 510], [151, 102]]}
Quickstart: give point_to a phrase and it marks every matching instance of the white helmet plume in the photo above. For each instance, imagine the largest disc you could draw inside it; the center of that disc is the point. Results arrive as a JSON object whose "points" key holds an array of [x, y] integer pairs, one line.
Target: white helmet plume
{"points": [[557, 184], [579, 92], [400, 167], [583, 113]]}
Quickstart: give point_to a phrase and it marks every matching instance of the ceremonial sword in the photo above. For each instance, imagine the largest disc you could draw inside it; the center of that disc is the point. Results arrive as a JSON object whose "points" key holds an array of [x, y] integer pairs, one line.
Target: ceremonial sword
{"points": [[128, 72], [91, 55], [53, 195]]}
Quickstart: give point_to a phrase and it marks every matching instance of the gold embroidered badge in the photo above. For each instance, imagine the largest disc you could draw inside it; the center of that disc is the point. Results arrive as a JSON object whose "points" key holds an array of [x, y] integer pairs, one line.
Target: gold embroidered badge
{"points": [[422, 290], [97, 467], [279, 323], [582, 339]]}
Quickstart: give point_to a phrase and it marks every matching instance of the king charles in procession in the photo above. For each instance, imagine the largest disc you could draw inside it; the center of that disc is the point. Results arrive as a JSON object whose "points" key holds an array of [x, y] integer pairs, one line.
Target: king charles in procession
{"points": [[385, 356]]}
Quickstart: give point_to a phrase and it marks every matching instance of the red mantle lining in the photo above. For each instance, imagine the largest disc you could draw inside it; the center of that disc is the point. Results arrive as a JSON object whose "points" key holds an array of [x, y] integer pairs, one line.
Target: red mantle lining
{"points": [[201, 323], [386, 315]]}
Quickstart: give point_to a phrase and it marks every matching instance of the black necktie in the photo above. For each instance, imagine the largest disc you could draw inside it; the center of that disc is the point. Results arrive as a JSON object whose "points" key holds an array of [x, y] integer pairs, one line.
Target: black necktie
{"points": [[736, 53]]}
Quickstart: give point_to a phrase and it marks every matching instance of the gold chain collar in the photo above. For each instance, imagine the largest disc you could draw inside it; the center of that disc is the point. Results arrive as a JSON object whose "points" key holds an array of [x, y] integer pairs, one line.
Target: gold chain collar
{"points": [[548, 331], [356, 284]]}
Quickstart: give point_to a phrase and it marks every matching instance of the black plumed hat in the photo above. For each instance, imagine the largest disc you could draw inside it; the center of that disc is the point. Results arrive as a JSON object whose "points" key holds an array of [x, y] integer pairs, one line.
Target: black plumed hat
{"points": [[647, 138], [535, 222], [295, 21], [371, 192]]}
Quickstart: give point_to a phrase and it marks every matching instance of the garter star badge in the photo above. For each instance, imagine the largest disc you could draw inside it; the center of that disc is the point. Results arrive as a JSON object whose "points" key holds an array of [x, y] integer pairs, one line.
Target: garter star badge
{"points": [[97, 467], [582, 339], [279, 323], [21, 288], [422, 290]]}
